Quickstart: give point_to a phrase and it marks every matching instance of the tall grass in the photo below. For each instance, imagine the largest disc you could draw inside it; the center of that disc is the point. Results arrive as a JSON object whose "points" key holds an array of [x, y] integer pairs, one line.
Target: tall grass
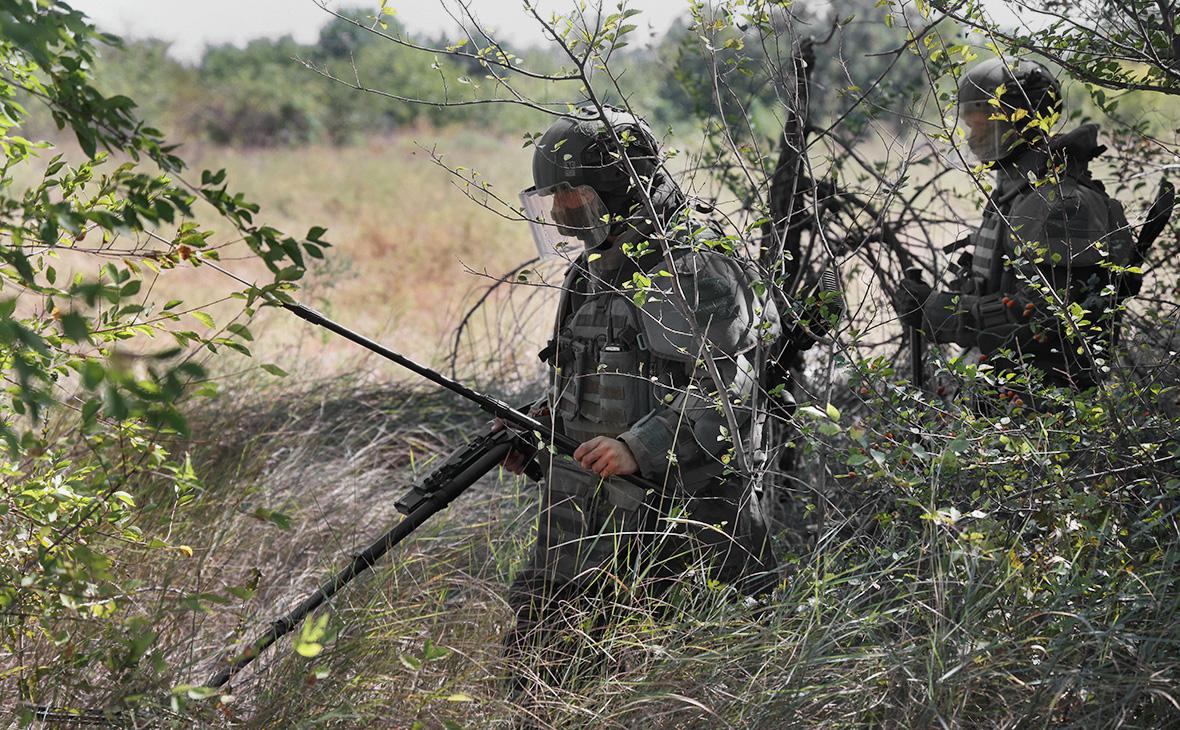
{"points": [[1012, 570], [1053, 607]]}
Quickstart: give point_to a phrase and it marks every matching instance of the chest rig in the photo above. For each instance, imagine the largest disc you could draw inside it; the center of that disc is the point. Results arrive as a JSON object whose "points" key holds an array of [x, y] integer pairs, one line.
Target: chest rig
{"points": [[981, 272], [602, 366]]}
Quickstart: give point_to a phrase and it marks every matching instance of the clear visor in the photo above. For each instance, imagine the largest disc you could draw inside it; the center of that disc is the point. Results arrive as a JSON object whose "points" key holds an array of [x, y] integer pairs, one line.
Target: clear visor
{"points": [[565, 219], [989, 135]]}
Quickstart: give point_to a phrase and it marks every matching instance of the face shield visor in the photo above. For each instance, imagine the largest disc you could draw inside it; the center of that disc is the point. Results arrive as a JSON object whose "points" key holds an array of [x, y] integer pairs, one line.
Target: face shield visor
{"points": [[989, 135], [565, 219]]}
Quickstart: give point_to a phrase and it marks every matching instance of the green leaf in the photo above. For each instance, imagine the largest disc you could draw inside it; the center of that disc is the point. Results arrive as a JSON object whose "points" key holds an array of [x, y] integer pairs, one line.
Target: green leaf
{"points": [[241, 592], [90, 409], [203, 318], [241, 331], [201, 693], [169, 417], [430, 652], [74, 326], [93, 373], [274, 370], [291, 273], [276, 518], [115, 404], [312, 635]]}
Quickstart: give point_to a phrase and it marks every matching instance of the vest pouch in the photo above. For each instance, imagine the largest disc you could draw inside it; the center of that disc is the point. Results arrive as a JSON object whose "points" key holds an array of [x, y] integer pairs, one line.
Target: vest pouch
{"points": [[573, 358], [622, 382], [624, 495]]}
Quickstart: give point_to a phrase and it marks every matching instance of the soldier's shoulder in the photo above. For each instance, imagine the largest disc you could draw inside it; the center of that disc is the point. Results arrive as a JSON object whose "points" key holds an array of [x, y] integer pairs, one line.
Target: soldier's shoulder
{"points": [[717, 290], [696, 263], [1067, 217]]}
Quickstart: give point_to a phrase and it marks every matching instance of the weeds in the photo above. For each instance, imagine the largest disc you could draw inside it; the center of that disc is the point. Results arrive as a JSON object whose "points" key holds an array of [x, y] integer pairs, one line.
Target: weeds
{"points": [[933, 597]]}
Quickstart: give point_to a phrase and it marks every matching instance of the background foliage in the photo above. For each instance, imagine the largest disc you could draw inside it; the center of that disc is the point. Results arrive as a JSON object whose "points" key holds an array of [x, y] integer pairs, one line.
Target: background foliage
{"points": [[948, 564]]}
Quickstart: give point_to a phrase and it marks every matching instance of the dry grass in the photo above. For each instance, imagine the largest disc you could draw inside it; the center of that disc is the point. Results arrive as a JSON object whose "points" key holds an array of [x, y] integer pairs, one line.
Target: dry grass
{"points": [[402, 233], [876, 628], [405, 242]]}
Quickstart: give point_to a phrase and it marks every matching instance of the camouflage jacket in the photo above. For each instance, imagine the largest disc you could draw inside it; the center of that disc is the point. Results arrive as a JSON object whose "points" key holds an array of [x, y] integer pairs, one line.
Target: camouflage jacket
{"points": [[628, 363]]}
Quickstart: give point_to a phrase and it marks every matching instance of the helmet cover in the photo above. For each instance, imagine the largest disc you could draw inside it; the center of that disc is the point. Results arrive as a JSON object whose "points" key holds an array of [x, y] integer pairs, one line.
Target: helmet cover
{"points": [[581, 184]]}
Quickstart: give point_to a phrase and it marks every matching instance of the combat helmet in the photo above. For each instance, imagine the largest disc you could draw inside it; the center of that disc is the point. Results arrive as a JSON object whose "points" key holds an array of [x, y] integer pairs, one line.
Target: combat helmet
{"points": [[581, 183], [999, 99]]}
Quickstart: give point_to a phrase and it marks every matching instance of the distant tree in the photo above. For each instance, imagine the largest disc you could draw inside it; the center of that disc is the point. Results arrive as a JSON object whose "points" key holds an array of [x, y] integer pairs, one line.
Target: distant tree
{"points": [[1130, 45]]}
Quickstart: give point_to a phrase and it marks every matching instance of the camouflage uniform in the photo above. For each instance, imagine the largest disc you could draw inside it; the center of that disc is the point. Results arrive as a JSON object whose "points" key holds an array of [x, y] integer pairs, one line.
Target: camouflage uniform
{"points": [[1059, 231], [634, 372]]}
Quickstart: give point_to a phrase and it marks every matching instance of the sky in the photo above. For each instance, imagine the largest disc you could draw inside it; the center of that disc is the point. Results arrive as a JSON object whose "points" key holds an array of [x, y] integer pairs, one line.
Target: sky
{"points": [[190, 26]]}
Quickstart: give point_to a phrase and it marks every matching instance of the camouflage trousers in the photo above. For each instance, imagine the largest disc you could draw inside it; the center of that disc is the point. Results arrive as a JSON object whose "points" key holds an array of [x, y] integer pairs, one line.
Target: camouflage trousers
{"points": [[595, 560]]}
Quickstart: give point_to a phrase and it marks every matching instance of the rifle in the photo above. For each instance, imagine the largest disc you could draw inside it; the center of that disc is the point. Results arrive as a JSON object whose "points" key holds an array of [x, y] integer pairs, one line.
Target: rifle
{"points": [[432, 495], [429, 496]]}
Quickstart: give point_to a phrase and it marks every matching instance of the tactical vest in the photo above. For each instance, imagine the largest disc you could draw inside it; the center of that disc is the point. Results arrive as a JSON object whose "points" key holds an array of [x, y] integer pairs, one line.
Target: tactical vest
{"points": [[987, 255], [602, 366], [1086, 278]]}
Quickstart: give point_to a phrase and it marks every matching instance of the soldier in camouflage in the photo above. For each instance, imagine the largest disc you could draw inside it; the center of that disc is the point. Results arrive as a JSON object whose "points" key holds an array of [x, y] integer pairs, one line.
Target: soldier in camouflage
{"points": [[1048, 240], [647, 312]]}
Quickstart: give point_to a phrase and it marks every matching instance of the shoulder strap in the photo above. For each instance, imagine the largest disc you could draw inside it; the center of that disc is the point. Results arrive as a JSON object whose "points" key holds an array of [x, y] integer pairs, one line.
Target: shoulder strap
{"points": [[573, 290]]}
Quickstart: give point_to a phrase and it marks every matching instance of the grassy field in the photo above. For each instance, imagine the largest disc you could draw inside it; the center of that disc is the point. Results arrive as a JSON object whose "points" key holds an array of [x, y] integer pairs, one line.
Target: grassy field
{"points": [[960, 571], [408, 245]]}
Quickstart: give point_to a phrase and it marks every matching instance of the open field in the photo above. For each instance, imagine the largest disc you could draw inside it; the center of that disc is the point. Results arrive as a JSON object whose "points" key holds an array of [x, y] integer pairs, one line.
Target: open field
{"points": [[407, 242]]}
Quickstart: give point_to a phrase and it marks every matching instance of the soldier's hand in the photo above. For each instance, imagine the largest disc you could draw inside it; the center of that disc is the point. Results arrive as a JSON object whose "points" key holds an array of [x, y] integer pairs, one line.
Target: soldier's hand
{"points": [[517, 460], [606, 457], [909, 299]]}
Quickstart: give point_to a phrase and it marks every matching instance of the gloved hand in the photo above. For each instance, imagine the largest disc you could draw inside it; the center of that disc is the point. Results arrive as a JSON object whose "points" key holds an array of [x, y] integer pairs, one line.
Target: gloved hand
{"points": [[519, 459], [909, 300]]}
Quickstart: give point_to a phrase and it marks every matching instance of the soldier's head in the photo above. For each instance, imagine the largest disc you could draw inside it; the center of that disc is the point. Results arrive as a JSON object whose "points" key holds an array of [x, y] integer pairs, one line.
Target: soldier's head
{"points": [[589, 173], [1005, 104]]}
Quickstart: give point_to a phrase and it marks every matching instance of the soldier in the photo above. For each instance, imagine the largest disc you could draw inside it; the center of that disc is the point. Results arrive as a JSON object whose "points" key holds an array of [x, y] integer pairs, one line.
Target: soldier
{"points": [[1049, 236], [632, 379]]}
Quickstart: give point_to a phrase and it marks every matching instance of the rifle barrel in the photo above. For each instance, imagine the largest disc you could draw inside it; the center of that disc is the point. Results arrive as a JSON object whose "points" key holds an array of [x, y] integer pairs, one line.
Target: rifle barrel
{"points": [[494, 406], [486, 460]]}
